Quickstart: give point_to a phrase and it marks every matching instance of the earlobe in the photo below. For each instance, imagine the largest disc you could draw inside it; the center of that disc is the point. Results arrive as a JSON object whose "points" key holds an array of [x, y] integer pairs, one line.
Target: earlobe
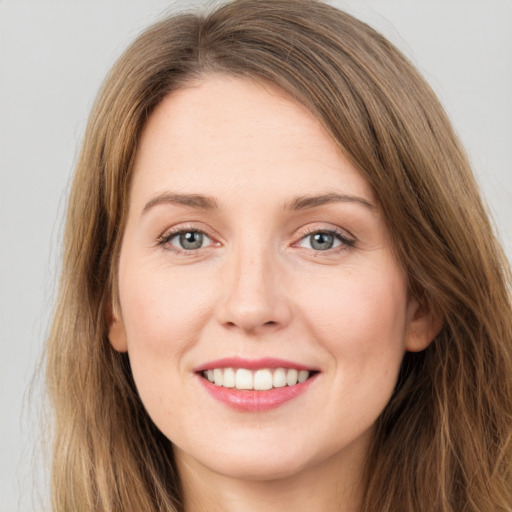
{"points": [[423, 327], [116, 331]]}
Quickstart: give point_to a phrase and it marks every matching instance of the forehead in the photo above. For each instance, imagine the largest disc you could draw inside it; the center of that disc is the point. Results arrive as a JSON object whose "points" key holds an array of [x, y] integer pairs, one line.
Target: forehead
{"points": [[229, 134]]}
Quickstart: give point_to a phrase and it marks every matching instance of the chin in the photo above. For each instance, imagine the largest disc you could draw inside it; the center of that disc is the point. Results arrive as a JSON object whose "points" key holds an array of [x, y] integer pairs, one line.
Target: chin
{"points": [[260, 469], [250, 460]]}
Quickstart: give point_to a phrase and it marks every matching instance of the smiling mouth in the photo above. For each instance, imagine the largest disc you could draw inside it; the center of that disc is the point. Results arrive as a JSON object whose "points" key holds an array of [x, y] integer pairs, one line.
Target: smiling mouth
{"points": [[256, 380]]}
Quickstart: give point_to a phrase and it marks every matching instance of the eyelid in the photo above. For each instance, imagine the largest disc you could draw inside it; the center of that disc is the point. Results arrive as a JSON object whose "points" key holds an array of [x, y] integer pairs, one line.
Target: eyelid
{"points": [[164, 239], [347, 240]]}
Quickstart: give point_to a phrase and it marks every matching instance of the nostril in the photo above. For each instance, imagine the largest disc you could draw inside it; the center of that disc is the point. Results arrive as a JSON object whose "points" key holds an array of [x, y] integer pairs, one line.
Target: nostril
{"points": [[270, 325]]}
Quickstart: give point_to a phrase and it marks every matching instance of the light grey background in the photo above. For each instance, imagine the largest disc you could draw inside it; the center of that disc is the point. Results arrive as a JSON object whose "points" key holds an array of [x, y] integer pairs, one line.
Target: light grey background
{"points": [[54, 55]]}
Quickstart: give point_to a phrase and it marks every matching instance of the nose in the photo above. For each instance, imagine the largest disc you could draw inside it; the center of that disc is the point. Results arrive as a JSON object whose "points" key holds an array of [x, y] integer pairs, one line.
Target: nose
{"points": [[255, 300]]}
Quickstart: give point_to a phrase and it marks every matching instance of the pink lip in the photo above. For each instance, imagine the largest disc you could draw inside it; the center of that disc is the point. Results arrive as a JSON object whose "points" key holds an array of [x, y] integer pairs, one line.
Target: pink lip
{"points": [[255, 401], [251, 364], [250, 400]]}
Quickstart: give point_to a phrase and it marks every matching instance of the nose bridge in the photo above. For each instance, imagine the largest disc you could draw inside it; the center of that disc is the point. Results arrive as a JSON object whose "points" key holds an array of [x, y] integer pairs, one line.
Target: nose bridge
{"points": [[254, 297]]}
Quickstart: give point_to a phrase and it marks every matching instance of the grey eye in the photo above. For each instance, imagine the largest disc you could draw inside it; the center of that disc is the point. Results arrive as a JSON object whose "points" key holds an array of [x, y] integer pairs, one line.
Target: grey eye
{"points": [[322, 241], [189, 240]]}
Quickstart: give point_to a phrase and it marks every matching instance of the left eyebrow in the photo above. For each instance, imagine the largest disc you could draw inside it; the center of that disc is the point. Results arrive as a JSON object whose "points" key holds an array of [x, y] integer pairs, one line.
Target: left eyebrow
{"points": [[305, 202]]}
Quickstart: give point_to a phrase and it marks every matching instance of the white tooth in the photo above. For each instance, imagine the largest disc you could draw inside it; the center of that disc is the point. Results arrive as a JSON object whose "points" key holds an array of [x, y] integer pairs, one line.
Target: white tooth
{"points": [[303, 375], [217, 376], [291, 377], [229, 378], [209, 376], [243, 379], [262, 380], [279, 378]]}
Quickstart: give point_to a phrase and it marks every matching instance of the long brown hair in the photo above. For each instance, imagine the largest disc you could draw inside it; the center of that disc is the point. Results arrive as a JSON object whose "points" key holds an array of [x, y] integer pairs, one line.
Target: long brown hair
{"points": [[444, 441]]}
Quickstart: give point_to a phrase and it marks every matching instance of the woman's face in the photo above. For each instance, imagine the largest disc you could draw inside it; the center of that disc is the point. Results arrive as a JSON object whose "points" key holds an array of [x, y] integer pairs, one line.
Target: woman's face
{"points": [[256, 256]]}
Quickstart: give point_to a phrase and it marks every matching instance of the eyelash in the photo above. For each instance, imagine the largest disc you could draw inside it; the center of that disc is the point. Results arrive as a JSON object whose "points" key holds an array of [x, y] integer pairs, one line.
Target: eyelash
{"points": [[164, 240], [345, 241]]}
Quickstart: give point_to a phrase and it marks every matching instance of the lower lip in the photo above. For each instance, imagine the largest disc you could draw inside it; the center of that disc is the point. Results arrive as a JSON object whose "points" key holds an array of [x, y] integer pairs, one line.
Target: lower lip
{"points": [[255, 401]]}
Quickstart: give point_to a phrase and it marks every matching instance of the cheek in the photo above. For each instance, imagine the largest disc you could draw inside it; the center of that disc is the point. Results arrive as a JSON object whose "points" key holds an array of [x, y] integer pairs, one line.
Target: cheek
{"points": [[371, 305], [361, 320], [362, 324], [163, 310], [163, 313]]}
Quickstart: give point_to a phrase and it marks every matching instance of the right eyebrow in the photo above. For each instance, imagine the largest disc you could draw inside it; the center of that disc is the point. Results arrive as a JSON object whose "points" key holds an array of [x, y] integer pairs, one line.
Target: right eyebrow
{"points": [[191, 200]]}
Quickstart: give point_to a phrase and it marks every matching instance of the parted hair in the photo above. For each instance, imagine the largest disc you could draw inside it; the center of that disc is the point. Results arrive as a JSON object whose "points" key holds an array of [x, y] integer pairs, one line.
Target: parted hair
{"points": [[444, 441]]}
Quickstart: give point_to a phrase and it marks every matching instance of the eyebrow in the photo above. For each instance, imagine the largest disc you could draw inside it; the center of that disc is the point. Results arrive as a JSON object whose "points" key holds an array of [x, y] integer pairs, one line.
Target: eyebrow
{"points": [[203, 202], [305, 202], [197, 201]]}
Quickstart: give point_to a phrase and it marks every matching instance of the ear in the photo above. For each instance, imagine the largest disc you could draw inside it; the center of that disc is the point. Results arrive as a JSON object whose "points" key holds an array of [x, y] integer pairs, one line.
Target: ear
{"points": [[116, 330], [423, 326]]}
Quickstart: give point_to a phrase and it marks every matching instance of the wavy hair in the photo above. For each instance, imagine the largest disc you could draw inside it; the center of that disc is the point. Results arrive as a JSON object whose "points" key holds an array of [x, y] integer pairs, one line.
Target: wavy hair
{"points": [[444, 442]]}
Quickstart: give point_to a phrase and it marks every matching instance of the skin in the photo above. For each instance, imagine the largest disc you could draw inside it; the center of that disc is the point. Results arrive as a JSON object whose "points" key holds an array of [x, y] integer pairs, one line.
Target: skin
{"points": [[257, 288]]}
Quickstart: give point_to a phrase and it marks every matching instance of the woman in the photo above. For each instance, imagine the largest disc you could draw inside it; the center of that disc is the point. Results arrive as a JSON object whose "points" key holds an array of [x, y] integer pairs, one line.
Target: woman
{"points": [[280, 286]]}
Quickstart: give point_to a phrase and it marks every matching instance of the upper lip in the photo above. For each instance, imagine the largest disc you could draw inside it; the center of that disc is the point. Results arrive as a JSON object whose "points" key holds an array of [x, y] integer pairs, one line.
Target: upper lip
{"points": [[252, 364]]}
